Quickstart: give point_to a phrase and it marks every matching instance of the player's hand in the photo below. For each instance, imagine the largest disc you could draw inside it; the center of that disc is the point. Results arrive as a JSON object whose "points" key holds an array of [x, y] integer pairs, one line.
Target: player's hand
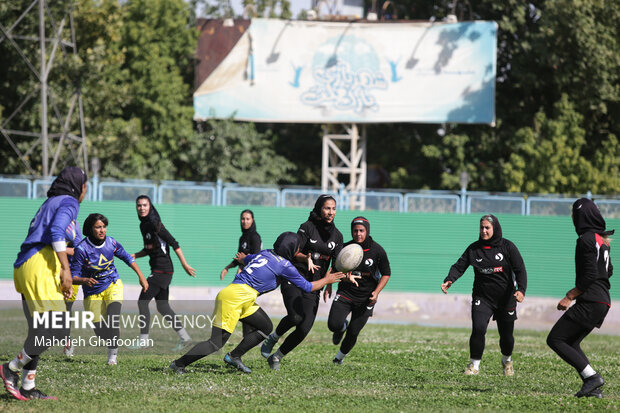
{"points": [[519, 296], [189, 270], [353, 278], [332, 277], [223, 273], [564, 304], [327, 292], [144, 284], [312, 267], [373, 298], [239, 257], [133, 256], [445, 286], [67, 283], [90, 282]]}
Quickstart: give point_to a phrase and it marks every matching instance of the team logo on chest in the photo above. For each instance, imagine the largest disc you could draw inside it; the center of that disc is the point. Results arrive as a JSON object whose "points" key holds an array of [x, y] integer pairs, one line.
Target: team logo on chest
{"points": [[244, 245], [331, 245], [148, 236], [499, 256], [369, 262]]}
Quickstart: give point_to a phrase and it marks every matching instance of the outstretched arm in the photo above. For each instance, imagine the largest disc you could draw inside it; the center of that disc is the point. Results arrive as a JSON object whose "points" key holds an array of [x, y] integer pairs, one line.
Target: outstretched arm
{"points": [[189, 270], [143, 282]]}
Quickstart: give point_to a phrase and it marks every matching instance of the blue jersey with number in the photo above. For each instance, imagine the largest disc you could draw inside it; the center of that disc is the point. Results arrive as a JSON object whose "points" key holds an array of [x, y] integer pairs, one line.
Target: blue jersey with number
{"points": [[97, 261], [262, 270], [48, 226]]}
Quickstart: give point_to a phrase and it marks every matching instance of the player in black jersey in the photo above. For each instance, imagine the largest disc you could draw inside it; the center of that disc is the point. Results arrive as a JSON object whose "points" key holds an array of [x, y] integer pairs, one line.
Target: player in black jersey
{"points": [[593, 269], [249, 241], [320, 244], [360, 299], [500, 281], [157, 243]]}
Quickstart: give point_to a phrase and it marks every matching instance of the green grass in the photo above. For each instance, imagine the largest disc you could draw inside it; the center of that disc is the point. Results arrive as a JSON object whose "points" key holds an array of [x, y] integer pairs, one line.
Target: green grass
{"points": [[392, 368]]}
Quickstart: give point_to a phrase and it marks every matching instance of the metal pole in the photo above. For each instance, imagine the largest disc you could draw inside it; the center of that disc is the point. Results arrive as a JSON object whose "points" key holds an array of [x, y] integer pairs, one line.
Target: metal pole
{"points": [[44, 138]]}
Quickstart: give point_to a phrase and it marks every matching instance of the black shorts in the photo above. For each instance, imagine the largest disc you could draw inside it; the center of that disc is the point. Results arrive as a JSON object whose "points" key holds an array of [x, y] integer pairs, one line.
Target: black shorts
{"points": [[499, 311], [588, 314]]}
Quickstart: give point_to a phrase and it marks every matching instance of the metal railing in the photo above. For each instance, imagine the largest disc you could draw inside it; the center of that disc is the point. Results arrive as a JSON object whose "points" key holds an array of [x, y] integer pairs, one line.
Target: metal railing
{"points": [[227, 194]]}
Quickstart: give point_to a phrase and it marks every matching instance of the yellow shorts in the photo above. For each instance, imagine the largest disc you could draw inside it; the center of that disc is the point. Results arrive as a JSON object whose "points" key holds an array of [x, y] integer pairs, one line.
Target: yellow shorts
{"points": [[38, 279], [233, 303], [98, 303], [74, 294]]}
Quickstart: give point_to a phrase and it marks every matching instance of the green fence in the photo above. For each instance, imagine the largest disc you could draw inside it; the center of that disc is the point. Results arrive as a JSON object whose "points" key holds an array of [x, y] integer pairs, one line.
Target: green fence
{"points": [[421, 247]]}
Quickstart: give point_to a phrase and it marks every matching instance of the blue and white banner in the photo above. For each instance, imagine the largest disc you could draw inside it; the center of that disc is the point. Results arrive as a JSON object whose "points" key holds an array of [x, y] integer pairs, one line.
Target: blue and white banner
{"points": [[323, 72]]}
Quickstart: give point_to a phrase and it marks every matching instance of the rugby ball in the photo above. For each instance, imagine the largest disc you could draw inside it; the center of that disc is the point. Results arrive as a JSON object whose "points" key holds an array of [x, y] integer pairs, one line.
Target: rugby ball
{"points": [[349, 258]]}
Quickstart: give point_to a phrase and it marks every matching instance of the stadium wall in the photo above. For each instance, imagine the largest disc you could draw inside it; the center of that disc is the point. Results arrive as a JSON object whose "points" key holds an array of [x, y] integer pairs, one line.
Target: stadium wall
{"points": [[421, 247]]}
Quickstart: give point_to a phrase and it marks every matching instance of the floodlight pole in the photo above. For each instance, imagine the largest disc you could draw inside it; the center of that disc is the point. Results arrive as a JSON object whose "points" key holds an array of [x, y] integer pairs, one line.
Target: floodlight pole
{"points": [[337, 161], [43, 76]]}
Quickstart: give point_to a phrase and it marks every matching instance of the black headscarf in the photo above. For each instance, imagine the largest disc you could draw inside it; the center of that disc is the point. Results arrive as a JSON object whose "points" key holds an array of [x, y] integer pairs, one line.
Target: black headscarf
{"points": [[152, 217], [496, 239], [363, 221], [587, 217], [286, 245], [325, 228], [253, 226], [87, 228], [68, 182]]}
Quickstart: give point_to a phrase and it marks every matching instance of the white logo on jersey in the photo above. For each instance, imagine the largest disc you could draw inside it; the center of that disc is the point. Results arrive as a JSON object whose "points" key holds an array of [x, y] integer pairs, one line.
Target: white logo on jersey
{"points": [[331, 245], [313, 241], [478, 259], [148, 236], [369, 262], [511, 312], [499, 256], [477, 302], [244, 245]]}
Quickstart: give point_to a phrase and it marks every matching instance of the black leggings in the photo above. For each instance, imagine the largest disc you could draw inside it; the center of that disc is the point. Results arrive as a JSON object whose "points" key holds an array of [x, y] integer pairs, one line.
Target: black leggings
{"points": [[480, 322], [110, 328], [256, 327], [341, 307], [163, 307], [301, 308], [565, 338]]}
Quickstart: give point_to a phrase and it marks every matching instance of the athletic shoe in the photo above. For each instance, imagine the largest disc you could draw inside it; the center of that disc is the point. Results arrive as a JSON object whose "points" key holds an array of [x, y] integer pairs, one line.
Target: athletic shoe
{"points": [[508, 369], [35, 394], [337, 337], [69, 350], [112, 362], [337, 361], [267, 347], [598, 393], [10, 379], [182, 345], [470, 370], [590, 384], [237, 363], [274, 362], [176, 369]]}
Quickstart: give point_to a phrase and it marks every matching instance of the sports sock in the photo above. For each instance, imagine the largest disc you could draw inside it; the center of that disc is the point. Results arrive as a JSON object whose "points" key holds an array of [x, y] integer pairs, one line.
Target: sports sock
{"points": [[28, 379], [506, 359], [278, 354], [274, 336], [476, 363], [340, 355], [112, 352], [184, 335], [19, 361], [587, 372], [144, 339]]}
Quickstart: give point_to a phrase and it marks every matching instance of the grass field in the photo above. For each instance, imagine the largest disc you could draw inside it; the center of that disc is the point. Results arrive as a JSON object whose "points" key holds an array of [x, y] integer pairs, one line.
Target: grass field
{"points": [[392, 368]]}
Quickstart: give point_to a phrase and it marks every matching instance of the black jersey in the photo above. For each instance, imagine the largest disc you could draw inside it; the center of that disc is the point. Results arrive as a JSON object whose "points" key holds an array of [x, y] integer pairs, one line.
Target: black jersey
{"points": [[157, 245], [311, 242], [499, 271], [593, 268], [249, 243], [375, 264]]}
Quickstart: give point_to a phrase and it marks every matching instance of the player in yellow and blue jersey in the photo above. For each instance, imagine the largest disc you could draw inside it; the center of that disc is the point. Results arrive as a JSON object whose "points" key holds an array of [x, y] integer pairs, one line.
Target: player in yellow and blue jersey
{"points": [[43, 278], [236, 302], [73, 238], [93, 267]]}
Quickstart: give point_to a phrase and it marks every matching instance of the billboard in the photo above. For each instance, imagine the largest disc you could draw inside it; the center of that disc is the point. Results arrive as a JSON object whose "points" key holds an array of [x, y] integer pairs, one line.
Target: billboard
{"points": [[333, 72]]}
